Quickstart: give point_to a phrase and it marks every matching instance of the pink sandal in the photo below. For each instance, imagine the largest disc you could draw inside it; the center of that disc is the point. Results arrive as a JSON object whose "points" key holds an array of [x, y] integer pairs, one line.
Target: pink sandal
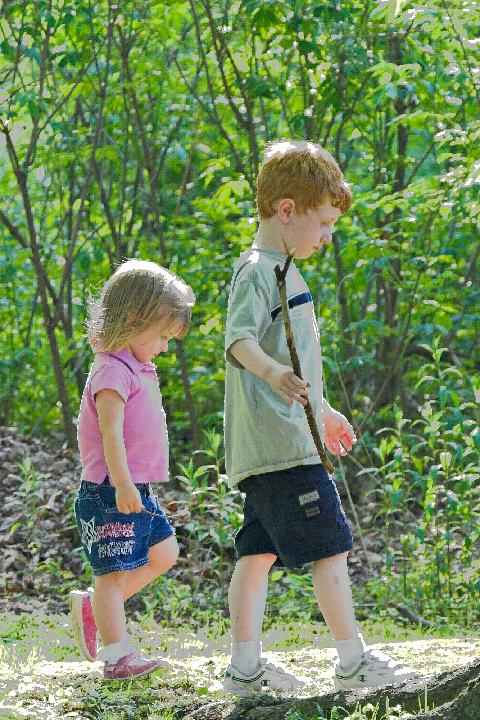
{"points": [[131, 665], [83, 623]]}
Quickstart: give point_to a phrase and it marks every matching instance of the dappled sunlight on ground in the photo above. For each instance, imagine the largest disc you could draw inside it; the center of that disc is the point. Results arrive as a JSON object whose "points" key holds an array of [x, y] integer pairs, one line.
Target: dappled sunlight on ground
{"points": [[43, 677]]}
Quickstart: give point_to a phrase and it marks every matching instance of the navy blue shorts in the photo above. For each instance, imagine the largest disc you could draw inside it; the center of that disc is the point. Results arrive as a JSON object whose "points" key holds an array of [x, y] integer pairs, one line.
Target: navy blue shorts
{"points": [[113, 541], [296, 514]]}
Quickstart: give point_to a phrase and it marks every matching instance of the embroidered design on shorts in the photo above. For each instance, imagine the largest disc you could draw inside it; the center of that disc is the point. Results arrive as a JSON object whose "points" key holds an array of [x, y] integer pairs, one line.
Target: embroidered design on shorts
{"points": [[115, 530], [112, 549], [308, 497], [89, 535], [310, 512], [92, 534]]}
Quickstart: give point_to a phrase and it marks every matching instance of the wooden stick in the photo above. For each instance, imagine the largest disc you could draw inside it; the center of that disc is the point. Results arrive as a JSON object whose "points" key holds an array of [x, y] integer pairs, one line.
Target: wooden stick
{"points": [[312, 423]]}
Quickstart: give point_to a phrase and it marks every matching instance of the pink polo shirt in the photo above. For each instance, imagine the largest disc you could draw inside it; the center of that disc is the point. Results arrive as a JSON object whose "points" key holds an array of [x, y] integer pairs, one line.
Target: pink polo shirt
{"points": [[144, 426]]}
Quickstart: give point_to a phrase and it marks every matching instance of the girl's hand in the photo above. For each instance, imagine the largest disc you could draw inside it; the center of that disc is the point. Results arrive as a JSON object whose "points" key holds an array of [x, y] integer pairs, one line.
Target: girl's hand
{"points": [[128, 499], [288, 385]]}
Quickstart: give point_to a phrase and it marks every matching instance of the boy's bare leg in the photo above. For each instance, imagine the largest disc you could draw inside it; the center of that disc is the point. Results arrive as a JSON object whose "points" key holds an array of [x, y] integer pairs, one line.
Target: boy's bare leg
{"points": [[247, 595], [331, 585], [246, 599]]}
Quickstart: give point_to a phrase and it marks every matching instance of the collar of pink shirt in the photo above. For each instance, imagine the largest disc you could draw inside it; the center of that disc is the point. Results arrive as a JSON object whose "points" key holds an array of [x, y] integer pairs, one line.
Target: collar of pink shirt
{"points": [[135, 365]]}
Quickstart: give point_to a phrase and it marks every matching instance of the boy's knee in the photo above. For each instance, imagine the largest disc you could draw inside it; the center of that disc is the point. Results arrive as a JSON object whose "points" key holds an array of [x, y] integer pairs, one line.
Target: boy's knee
{"points": [[340, 558], [263, 561]]}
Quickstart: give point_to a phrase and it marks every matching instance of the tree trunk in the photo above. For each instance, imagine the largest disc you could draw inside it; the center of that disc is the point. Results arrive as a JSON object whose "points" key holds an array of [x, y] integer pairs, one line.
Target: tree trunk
{"points": [[349, 349], [63, 397], [182, 358], [389, 350]]}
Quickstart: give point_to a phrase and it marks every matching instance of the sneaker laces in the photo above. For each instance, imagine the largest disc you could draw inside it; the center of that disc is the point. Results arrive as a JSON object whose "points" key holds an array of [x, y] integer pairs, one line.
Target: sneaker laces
{"points": [[380, 661], [134, 659], [280, 671], [380, 657]]}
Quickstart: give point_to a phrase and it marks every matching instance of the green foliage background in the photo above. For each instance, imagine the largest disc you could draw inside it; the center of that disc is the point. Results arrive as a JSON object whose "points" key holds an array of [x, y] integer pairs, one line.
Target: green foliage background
{"points": [[134, 129]]}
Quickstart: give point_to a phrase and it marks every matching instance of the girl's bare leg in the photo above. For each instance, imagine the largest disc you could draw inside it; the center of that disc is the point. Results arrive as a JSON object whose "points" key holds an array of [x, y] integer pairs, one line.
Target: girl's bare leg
{"points": [[112, 589]]}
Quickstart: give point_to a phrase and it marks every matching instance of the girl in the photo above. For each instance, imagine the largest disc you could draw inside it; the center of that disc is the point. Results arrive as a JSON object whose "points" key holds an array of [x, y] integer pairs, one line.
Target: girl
{"points": [[123, 442]]}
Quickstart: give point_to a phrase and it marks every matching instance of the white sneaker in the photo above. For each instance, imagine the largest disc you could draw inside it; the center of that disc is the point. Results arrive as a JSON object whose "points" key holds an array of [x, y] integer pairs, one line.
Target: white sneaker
{"points": [[374, 669], [267, 675]]}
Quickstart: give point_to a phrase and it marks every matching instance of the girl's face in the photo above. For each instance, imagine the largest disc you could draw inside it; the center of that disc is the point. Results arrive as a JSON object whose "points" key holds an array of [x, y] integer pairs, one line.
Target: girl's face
{"points": [[149, 343]]}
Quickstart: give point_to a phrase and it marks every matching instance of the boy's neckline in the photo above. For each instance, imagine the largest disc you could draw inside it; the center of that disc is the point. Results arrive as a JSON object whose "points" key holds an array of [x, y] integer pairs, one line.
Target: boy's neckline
{"points": [[277, 254]]}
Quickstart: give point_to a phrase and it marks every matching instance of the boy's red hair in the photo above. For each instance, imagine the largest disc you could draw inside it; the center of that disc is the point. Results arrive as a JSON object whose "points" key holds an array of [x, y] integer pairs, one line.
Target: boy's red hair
{"points": [[303, 171]]}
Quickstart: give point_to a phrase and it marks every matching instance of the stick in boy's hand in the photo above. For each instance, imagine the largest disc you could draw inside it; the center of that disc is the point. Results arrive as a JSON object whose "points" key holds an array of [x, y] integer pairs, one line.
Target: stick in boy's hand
{"points": [[281, 275]]}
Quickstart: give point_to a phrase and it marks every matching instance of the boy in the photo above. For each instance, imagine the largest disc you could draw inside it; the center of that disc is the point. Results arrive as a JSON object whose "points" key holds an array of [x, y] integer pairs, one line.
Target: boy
{"points": [[292, 512]]}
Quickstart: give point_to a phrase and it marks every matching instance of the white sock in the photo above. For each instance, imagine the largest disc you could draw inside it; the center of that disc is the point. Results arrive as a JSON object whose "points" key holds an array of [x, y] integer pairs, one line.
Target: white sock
{"points": [[246, 656], [349, 651], [115, 651]]}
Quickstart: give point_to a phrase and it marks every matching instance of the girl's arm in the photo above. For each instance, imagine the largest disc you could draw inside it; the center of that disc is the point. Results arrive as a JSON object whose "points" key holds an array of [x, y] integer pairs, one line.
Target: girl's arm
{"points": [[110, 411]]}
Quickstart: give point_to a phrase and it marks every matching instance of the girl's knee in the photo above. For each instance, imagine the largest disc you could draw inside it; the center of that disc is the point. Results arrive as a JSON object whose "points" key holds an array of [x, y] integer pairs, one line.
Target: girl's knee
{"points": [[174, 551], [164, 554], [110, 580]]}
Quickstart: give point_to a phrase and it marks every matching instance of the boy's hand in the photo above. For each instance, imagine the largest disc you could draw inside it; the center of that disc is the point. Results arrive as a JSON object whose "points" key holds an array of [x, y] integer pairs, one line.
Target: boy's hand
{"points": [[339, 434], [128, 499], [288, 385]]}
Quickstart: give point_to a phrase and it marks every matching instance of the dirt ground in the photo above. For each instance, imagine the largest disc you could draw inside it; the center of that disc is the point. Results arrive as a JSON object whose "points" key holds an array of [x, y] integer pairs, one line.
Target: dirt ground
{"points": [[43, 677]]}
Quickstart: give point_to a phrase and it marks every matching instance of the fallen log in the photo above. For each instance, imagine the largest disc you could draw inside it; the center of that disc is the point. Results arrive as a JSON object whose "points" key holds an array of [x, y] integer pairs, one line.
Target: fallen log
{"points": [[452, 695]]}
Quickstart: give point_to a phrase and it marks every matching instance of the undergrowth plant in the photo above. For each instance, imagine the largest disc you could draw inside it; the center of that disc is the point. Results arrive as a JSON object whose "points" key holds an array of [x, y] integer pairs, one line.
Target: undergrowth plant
{"points": [[428, 497]]}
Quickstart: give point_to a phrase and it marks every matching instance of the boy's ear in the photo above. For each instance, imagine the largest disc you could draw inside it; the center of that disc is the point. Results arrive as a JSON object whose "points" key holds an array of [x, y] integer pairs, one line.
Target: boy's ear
{"points": [[285, 208]]}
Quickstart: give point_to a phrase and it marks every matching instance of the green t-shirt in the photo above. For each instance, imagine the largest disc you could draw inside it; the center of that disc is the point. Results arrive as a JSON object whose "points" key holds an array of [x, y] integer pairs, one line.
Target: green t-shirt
{"points": [[262, 431]]}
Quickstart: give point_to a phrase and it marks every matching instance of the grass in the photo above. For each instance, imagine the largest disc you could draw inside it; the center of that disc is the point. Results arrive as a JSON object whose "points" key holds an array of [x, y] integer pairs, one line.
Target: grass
{"points": [[361, 712], [43, 677]]}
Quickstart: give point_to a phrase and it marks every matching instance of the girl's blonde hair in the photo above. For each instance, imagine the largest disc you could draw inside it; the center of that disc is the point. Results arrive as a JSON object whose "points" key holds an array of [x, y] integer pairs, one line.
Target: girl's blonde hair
{"points": [[138, 295], [303, 171]]}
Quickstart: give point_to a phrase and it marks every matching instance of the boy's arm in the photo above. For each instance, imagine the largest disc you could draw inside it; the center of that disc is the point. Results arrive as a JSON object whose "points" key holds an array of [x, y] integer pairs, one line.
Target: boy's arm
{"points": [[280, 377], [110, 412], [339, 434], [326, 407]]}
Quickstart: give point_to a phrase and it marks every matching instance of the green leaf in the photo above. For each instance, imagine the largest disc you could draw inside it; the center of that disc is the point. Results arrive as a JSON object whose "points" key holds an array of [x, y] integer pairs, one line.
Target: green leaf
{"points": [[258, 87], [108, 152], [33, 53]]}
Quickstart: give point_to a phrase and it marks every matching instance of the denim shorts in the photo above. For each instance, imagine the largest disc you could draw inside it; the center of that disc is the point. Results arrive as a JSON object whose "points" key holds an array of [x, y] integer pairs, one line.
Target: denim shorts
{"points": [[296, 514], [113, 541]]}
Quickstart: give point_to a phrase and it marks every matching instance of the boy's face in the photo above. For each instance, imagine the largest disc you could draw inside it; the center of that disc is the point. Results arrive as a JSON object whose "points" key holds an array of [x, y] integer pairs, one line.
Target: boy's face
{"points": [[308, 232]]}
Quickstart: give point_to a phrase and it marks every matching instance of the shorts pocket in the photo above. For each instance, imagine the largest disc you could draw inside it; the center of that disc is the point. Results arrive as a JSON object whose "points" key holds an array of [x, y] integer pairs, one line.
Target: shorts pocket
{"points": [[106, 499], [318, 505], [88, 491]]}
